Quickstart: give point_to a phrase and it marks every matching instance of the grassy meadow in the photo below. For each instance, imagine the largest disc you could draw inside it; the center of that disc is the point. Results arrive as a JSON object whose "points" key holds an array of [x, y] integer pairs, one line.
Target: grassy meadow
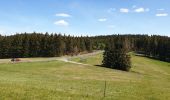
{"points": [[56, 80]]}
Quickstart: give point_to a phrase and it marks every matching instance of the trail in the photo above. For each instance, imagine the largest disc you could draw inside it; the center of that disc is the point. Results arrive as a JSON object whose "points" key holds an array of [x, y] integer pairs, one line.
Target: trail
{"points": [[66, 59], [63, 58], [73, 62]]}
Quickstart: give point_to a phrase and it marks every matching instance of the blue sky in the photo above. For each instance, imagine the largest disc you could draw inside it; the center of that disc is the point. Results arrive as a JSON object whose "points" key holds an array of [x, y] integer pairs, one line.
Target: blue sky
{"points": [[85, 17]]}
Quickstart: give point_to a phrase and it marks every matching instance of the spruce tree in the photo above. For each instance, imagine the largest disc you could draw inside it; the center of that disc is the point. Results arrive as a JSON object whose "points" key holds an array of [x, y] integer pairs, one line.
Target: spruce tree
{"points": [[115, 56], [88, 44], [82, 45]]}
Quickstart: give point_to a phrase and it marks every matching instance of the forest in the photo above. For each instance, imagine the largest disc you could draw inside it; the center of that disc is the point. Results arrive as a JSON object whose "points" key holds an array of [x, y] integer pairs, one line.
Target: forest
{"points": [[54, 45]]}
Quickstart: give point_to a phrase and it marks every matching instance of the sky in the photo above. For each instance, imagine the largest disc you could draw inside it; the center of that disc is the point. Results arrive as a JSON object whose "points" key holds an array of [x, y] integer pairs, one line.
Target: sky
{"points": [[85, 17]]}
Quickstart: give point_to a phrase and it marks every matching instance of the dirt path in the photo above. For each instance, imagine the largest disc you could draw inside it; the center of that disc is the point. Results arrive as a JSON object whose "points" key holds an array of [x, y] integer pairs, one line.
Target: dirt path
{"points": [[68, 61], [63, 58]]}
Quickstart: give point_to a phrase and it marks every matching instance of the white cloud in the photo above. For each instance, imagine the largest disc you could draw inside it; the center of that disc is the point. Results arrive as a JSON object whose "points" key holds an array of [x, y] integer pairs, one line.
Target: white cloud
{"points": [[63, 15], [102, 19], [162, 14], [124, 10], [141, 10], [61, 23]]}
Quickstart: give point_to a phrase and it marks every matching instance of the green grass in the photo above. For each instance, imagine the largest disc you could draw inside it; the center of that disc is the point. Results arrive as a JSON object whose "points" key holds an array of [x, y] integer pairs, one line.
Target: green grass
{"points": [[92, 60], [148, 80]]}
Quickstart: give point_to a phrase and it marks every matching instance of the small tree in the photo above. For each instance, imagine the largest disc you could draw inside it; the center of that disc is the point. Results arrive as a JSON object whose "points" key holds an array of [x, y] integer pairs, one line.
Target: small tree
{"points": [[115, 56]]}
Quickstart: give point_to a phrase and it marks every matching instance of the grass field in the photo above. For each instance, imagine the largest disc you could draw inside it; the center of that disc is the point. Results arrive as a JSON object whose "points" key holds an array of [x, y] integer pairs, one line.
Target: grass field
{"points": [[56, 80]]}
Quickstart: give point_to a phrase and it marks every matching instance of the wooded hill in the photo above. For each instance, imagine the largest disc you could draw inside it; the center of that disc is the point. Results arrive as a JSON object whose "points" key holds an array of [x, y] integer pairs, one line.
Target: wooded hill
{"points": [[53, 45]]}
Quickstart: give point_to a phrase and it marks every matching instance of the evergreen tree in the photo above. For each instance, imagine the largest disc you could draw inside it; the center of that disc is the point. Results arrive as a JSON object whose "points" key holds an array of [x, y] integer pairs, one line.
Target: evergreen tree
{"points": [[45, 45], [82, 45], [59, 45], [88, 44], [25, 45], [115, 56]]}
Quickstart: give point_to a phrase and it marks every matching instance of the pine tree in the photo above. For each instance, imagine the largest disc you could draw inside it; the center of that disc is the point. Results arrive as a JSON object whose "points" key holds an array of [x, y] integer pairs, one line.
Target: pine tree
{"points": [[82, 45], [45, 45], [25, 45], [69, 46], [59, 45], [115, 56], [88, 44], [16, 47], [1, 54]]}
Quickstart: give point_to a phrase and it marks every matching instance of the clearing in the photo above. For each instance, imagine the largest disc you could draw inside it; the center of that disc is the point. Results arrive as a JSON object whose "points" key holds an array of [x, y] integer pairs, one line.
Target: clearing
{"points": [[57, 79]]}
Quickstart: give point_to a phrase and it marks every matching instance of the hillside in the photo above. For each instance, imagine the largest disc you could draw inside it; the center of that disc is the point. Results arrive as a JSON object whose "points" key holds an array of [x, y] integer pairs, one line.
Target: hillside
{"points": [[148, 80]]}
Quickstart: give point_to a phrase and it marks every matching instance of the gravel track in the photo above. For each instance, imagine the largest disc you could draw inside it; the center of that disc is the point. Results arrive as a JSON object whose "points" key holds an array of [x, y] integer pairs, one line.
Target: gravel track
{"points": [[63, 58]]}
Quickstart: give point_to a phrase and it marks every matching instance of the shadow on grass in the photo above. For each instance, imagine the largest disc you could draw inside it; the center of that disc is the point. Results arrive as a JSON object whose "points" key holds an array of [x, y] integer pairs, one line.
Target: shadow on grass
{"points": [[111, 68], [99, 65], [131, 71]]}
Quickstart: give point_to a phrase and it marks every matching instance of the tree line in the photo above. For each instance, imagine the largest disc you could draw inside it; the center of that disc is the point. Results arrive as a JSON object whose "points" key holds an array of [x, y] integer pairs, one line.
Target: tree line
{"points": [[153, 46], [53, 45], [42, 45]]}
